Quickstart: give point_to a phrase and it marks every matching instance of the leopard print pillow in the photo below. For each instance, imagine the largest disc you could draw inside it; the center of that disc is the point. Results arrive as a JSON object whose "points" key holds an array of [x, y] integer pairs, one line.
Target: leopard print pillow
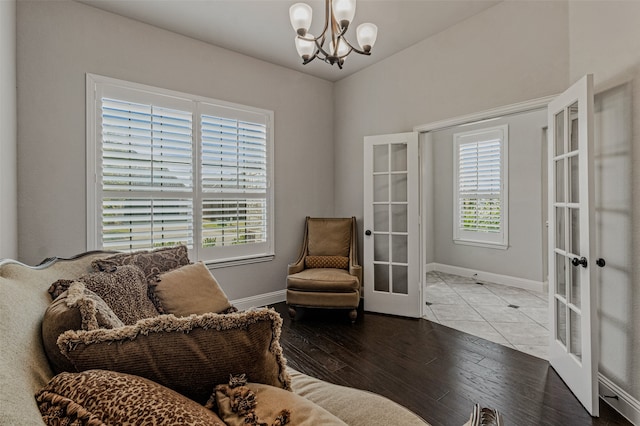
{"points": [[100, 397]]}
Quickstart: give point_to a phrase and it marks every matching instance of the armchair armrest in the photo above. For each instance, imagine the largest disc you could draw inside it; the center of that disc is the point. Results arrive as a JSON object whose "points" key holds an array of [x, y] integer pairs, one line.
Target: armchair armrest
{"points": [[294, 268]]}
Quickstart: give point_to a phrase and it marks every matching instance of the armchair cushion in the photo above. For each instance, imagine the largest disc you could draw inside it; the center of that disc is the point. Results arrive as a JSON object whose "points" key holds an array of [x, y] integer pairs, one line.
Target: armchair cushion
{"points": [[324, 280], [329, 237], [337, 262]]}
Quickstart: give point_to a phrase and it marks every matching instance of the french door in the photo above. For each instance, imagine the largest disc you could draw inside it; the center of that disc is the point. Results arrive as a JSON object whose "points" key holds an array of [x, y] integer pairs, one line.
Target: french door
{"points": [[391, 223], [573, 338]]}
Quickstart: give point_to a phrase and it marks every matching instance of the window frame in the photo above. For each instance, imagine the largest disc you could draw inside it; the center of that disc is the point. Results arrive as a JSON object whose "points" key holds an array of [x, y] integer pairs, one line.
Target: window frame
{"points": [[97, 86], [498, 240]]}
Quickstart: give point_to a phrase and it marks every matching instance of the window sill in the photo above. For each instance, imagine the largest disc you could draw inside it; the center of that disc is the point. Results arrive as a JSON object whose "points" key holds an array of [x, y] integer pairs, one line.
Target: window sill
{"points": [[238, 261], [484, 244]]}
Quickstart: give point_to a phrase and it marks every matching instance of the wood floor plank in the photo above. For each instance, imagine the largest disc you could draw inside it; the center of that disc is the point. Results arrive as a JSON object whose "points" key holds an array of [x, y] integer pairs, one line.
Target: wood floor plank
{"points": [[435, 371]]}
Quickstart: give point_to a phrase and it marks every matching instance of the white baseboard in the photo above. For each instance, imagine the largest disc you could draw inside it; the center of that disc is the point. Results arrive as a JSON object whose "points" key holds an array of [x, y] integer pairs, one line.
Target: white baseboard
{"points": [[260, 300], [625, 404], [489, 276]]}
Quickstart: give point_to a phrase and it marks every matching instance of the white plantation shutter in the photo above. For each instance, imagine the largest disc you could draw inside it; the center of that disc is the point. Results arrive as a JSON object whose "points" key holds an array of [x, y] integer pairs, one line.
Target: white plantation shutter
{"points": [[146, 155], [234, 177], [480, 186], [171, 168]]}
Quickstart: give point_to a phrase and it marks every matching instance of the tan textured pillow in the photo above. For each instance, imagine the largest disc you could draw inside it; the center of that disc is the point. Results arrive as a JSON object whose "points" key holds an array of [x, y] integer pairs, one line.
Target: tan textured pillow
{"points": [[257, 404], [75, 309], [108, 398], [124, 290], [190, 289], [190, 354], [337, 262]]}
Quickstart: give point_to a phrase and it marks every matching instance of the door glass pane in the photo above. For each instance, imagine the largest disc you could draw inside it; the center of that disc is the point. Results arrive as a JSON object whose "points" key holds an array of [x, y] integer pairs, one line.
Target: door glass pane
{"points": [[561, 283], [399, 248], [574, 297], [560, 228], [399, 218], [400, 279], [380, 158], [381, 217], [380, 188], [560, 180], [573, 128], [574, 179], [381, 247], [575, 231], [399, 157], [559, 133], [561, 322], [576, 338], [381, 277], [399, 187]]}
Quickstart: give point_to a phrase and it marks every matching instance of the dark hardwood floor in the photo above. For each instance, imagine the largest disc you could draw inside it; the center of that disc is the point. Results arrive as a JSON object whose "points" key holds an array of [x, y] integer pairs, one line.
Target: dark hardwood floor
{"points": [[435, 371]]}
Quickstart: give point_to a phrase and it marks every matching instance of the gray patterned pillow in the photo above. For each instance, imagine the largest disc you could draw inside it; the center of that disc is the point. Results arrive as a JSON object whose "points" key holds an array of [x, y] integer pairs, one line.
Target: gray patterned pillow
{"points": [[152, 263], [124, 290]]}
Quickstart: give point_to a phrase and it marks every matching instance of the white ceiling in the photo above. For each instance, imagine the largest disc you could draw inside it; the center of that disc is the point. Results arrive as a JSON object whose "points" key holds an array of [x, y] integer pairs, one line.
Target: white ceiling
{"points": [[261, 28]]}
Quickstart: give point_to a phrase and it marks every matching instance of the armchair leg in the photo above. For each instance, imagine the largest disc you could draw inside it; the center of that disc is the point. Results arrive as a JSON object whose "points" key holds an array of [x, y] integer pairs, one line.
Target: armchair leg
{"points": [[353, 314], [292, 312]]}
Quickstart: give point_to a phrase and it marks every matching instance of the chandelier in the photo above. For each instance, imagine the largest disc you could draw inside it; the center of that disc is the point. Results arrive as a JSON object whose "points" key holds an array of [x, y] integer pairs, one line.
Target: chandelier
{"points": [[338, 15]]}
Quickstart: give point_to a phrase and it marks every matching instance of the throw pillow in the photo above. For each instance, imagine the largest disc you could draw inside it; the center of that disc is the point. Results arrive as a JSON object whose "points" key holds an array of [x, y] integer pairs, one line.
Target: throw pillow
{"points": [[59, 287], [152, 263], [240, 403], [337, 262], [109, 398], [190, 354], [124, 290], [76, 309], [190, 289]]}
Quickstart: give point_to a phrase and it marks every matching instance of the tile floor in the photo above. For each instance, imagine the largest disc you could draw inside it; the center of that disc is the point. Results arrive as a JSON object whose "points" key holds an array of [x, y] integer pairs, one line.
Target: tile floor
{"points": [[506, 315]]}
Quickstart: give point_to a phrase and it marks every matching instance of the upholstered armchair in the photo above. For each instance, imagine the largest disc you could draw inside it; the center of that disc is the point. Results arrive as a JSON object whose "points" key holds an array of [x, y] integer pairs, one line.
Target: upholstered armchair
{"points": [[326, 273]]}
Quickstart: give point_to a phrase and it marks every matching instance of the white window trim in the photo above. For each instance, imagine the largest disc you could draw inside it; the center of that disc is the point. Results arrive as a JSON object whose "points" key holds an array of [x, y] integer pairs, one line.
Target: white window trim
{"points": [[93, 82], [479, 239]]}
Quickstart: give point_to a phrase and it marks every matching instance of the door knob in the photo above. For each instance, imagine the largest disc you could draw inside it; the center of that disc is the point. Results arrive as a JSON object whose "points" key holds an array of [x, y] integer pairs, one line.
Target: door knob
{"points": [[582, 261], [600, 262], [367, 232]]}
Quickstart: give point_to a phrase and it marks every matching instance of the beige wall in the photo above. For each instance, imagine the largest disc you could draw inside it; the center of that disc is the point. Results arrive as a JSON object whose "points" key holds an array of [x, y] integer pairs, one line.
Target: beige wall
{"points": [[605, 41], [60, 41], [523, 258], [8, 123], [512, 52]]}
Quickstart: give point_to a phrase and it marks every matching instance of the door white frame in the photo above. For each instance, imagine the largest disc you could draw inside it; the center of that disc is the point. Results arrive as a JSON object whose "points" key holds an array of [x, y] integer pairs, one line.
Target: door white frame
{"points": [[391, 299], [576, 362]]}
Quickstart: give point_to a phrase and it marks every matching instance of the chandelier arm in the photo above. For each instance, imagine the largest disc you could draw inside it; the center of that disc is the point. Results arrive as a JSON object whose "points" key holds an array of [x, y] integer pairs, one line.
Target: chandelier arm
{"points": [[355, 49]]}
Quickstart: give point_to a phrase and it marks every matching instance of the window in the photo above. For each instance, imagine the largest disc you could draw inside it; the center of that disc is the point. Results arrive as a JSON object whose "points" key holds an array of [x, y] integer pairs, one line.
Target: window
{"points": [[171, 168], [480, 187]]}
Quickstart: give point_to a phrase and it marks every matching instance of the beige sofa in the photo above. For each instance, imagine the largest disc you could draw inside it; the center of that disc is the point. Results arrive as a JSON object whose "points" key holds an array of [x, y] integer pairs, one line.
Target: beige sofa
{"points": [[24, 367]]}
